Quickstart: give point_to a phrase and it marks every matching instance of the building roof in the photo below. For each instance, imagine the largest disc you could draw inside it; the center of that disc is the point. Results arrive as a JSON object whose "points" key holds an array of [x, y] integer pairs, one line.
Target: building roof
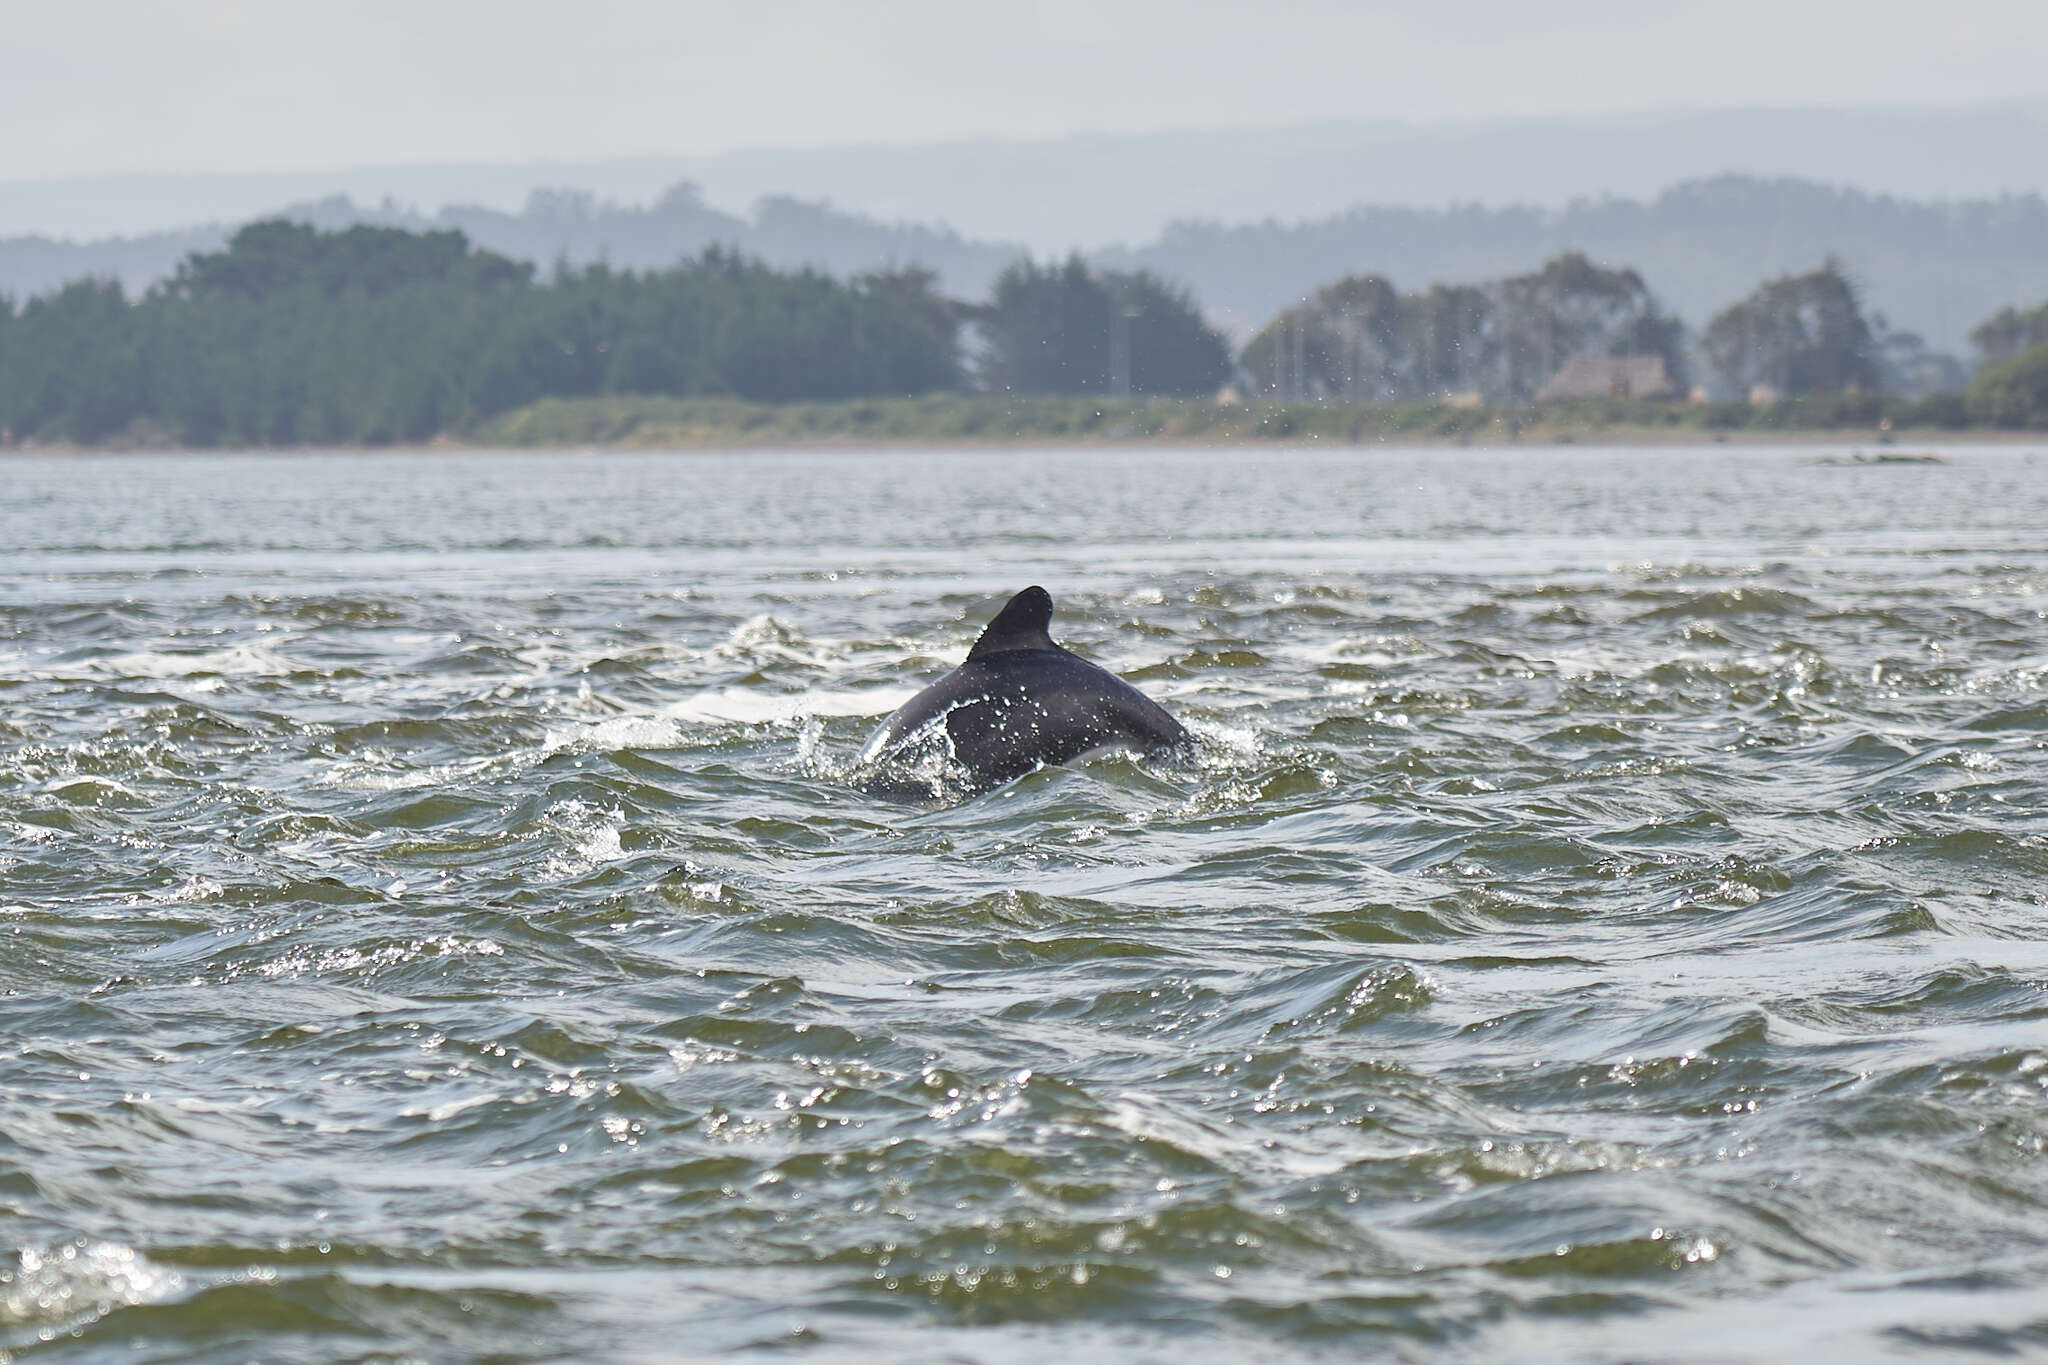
{"points": [[1609, 376]]}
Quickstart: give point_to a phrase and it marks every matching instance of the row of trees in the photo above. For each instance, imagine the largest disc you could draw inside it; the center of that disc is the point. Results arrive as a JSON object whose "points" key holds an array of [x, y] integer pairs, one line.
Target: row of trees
{"points": [[2012, 389], [293, 335], [1362, 339]]}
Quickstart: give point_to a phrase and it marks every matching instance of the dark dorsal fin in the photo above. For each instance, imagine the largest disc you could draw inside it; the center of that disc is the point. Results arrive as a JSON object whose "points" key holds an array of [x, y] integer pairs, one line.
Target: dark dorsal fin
{"points": [[1024, 624]]}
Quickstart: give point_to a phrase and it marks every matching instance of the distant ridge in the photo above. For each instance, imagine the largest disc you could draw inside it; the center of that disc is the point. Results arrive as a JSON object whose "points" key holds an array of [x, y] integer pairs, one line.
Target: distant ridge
{"points": [[1099, 190], [1935, 268], [559, 225]]}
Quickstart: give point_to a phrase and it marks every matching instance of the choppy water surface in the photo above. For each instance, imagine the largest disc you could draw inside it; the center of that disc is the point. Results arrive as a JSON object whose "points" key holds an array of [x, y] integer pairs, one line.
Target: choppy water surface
{"points": [[1606, 923]]}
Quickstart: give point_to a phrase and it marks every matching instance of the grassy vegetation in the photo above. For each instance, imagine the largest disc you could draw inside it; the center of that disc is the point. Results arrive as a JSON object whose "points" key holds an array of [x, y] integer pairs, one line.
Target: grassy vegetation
{"points": [[966, 419]]}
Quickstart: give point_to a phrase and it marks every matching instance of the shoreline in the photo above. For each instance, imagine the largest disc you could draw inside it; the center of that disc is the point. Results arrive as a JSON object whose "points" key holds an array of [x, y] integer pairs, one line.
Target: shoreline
{"points": [[1023, 422], [1900, 445]]}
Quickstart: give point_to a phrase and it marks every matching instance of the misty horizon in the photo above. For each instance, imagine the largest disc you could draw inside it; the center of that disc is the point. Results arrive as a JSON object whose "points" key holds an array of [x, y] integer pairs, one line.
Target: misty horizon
{"points": [[131, 87], [1101, 190], [2034, 106]]}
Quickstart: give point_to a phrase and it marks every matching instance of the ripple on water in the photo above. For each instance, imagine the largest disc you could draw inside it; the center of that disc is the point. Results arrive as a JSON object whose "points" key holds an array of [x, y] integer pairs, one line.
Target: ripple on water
{"points": [[436, 909]]}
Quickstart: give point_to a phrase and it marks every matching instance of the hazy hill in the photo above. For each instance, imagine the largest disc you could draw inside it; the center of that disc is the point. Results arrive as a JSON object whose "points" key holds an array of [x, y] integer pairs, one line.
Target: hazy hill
{"points": [[1935, 268], [37, 264], [1101, 190], [559, 225], [573, 226]]}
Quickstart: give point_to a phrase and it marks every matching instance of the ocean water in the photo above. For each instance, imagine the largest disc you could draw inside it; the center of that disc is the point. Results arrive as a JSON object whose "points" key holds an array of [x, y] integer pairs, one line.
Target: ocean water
{"points": [[1605, 921]]}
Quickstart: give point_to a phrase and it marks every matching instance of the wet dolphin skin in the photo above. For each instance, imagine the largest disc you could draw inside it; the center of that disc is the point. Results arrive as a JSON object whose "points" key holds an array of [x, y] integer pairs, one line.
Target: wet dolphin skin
{"points": [[1020, 702]]}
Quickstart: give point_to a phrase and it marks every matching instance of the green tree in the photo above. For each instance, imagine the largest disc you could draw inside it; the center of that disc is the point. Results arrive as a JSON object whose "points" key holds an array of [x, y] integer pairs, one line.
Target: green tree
{"points": [[1347, 339], [2010, 331], [1798, 334], [73, 363], [2014, 392], [1447, 342], [276, 256], [1047, 330], [1168, 347], [1359, 338], [1066, 329], [1573, 307]]}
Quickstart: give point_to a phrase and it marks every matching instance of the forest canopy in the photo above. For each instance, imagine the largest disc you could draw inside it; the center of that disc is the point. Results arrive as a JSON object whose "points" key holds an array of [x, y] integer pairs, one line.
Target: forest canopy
{"points": [[296, 336], [293, 335]]}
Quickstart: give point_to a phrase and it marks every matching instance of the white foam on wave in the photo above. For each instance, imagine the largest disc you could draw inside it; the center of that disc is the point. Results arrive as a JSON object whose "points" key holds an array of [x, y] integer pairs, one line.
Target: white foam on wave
{"points": [[379, 770], [763, 639], [193, 889], [1225, 747], [1371, 651], [371, 959], [591, 834], [669, 726], [252, 660], [748, 707], [645, 730]]}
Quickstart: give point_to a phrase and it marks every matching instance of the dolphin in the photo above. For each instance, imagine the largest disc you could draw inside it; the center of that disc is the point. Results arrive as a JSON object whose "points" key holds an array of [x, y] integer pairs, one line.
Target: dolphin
{"points": [[1021, 702]]}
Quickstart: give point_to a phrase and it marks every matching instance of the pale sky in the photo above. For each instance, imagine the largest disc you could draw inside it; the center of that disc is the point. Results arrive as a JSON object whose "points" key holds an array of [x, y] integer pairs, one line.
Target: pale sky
{"points": [[93, 87]]}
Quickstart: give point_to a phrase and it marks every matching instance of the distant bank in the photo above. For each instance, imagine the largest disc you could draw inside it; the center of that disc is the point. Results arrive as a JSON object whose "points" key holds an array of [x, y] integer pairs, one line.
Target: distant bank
{"points": [[1876, 421], [294, 337], [954, 419]]}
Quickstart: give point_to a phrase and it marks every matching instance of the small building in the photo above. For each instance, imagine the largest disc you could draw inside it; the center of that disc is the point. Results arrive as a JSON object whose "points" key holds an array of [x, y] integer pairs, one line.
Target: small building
{"points": [[1609, 376]]}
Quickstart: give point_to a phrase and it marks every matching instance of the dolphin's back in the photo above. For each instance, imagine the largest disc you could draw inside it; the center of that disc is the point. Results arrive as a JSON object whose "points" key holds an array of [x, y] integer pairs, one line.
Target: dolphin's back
{"points": [[1020, 702]]}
